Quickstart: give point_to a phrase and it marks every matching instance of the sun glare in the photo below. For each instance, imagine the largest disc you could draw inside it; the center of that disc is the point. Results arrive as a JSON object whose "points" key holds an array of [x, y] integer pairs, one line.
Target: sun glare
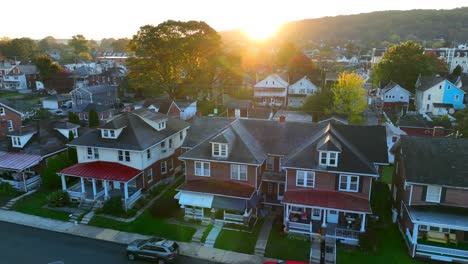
{"points": [[261, 30]]}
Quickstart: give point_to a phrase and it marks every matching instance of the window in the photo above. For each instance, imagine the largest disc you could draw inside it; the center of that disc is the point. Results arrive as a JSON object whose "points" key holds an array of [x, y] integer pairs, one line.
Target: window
{"points": [[148, 154], [181, 135], [270, 163], [16, 141], [124, 155], [239, 172], [202, 168], [164, 167], [305, 178], [329, 158], [423, 227], [297, 209], [112, 133], [219, 150], [427, 107], [448, 87], [440, 87], [108, 133], [433, 194], [2, 111], [457, 97], [105, 133], [434, 228], [161, 125], [349, 183], [149, 175], [93, 153], [316, 213], [170, 143], [163, 147], [10, 125], [429, 97]]}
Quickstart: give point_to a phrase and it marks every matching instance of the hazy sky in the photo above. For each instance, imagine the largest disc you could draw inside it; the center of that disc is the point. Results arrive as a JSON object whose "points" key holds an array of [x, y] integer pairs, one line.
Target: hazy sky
{"points": [[97, 19]]}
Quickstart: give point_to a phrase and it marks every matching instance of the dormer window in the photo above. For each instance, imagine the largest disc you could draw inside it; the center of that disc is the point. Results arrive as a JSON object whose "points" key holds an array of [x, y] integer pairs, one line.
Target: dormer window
{"points": [[16, 141], [219, 150], [329, 158], [161, 125], [108, 133]]}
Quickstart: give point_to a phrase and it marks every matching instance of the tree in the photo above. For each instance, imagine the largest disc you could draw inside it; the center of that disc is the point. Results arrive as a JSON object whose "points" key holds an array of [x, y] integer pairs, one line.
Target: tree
{"points": [[299, 66], [403, 64], [79, 44], [93, 118], [73, 118], [47, 67], [286, 51], [462, 123], [47, 44], [174, 58], [349, 95], [120, 45], [72, 155], [49, 176], [319, 104], [457, 71], [437, 65], [21, 48]]}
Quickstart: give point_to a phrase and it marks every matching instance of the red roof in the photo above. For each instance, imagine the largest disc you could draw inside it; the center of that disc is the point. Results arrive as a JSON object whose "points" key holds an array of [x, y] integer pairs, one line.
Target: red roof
{"points": [[220, 187], [328, 199], [102, 170]]}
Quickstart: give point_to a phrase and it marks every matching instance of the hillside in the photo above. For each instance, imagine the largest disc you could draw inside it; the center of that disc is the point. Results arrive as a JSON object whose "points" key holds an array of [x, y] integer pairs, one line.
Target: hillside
{"points": [[377, 26]]}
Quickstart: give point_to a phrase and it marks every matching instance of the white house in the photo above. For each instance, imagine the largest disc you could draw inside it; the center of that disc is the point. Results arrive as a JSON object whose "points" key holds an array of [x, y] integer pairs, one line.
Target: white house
{"points": [[393, 135], [55, 101], [298, 91], [271, 91], [394, 94]]}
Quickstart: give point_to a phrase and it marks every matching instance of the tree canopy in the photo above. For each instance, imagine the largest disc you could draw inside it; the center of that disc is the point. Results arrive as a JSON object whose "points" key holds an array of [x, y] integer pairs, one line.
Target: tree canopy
{"points": [[47, 67], [79, 44], [299, 66], [319, 104], [23, 49], [174, 58], [349, 96]]}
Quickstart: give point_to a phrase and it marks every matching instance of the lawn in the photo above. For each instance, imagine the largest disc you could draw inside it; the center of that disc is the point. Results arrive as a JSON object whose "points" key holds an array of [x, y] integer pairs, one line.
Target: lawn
{"points": [[33, 204], [281, 247], [238, 241], [387, 174], [7, 197], [206, 232]]}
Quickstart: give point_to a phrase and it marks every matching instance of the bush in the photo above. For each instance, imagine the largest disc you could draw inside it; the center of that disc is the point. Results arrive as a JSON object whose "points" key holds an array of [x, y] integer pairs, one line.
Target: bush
{"points": [[49, 176], [58, 199], [165, 208], [114, 206], [368, 240], [6, 189]]}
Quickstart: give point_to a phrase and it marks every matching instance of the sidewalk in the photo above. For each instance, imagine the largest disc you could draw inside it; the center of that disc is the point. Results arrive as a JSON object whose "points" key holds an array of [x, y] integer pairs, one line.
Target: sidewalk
{"points": [[187, 249]]}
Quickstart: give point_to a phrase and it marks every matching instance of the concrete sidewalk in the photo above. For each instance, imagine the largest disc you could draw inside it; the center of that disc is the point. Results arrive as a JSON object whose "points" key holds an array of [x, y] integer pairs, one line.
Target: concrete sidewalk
{"points": [[187, 249]]}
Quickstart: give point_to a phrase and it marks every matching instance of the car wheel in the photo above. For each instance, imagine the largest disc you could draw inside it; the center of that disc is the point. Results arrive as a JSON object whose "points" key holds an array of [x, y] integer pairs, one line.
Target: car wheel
{"points": [[131, 256], [161, 261]]}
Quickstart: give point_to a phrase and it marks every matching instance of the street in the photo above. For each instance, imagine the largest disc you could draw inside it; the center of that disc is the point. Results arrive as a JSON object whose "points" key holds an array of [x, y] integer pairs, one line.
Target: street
{"points": [[22, 244]]}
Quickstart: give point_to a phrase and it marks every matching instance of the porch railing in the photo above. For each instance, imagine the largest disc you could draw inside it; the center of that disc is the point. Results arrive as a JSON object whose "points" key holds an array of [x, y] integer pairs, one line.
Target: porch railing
{"points": [[233, 217], [31, 183], [347, 233], [442, 251], [300, 227], [133, 199], [194, 213]]}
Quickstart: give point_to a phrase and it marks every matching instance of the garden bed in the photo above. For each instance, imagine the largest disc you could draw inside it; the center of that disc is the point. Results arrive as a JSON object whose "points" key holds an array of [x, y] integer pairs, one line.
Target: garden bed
{"points": [[34, 204]]}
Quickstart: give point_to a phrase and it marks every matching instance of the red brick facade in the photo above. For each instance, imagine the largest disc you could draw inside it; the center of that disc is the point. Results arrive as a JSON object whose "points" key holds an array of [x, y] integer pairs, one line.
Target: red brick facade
{"points": [[8, 115], [173, 111], [172, 162], [220, 171]]}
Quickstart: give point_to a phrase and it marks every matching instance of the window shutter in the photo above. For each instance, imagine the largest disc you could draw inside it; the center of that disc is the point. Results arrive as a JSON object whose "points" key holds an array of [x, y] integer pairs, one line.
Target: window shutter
{"points": [[423, 194], [337, 181], [443, 194], [361, 179]]}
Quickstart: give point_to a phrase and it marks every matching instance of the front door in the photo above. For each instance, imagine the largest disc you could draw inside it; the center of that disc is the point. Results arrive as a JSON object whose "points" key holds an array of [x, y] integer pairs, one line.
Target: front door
{"points": [[280, 191], [332, 216], [237, 112]]}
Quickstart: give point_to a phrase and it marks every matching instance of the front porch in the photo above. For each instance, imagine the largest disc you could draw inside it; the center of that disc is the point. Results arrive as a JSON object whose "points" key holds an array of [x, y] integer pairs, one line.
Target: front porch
{"points": [[18, 170], [273, 188]]}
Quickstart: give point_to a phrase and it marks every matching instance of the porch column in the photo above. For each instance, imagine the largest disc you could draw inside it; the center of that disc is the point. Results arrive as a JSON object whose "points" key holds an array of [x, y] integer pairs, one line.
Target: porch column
{"points": [[64, 183], [24, 181], [106, 195], [324, 222], [286, 216], [126, 191], [94, 188], [363, 223], [414, 238], [83, 189]]}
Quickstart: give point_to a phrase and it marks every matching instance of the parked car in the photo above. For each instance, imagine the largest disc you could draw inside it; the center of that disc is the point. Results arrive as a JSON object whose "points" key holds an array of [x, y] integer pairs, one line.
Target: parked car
{"points": [[285, 262], [67, 104], [156, 249]]}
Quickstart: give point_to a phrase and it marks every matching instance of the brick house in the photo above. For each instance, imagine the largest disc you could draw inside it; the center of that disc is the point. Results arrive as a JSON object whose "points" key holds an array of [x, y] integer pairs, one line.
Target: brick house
{"points": [[242, 166], [129, 154], [430, 197], [10, 119]]}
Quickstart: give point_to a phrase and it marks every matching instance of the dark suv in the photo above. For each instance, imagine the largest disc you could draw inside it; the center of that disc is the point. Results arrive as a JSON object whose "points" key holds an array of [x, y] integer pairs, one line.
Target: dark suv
{"points": [[156, 249]]}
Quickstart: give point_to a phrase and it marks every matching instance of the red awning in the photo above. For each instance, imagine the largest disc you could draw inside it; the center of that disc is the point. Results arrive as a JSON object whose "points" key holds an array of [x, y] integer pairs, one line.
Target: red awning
{"points": [[328, 199], [102, 170]]}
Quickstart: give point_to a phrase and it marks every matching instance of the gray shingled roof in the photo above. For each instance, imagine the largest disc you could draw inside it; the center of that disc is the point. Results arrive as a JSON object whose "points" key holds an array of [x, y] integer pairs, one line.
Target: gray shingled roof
{"points": [[442, 161], [426, 82], [137, 134], [203, 128]]}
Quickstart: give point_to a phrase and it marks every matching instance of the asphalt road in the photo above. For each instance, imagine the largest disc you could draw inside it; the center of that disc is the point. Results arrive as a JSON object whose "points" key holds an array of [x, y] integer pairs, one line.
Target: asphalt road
{"points": [[20, 244]]}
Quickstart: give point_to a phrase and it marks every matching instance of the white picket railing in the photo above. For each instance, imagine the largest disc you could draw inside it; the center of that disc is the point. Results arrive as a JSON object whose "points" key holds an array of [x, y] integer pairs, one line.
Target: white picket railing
{"points": [[233, 217], [420, 248], [133, 199], [31, 183], [300, 227], [194, 213], [346, 233]]}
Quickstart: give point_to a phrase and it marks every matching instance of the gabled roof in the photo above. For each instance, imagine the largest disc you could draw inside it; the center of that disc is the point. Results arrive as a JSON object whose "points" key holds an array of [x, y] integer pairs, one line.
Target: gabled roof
{"points": [[203, 128], [151, 115], [391, 86], [304, 82], [427, 82], [28, 69], [441, 161], [163, 104], [272, 81], [18, 161], [10, 106]]}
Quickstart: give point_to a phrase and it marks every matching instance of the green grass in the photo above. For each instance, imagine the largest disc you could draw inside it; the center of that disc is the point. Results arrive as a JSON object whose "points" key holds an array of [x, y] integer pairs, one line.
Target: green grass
{"points": [[206, 232], [33, 204], [147, 225], [238, 241], [7, 197], [387, 174], [281, 247]]}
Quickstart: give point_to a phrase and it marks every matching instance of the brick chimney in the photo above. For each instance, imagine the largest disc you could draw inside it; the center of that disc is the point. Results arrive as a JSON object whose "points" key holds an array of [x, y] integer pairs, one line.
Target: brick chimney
{"points": [[438, 131], [282, 119]]}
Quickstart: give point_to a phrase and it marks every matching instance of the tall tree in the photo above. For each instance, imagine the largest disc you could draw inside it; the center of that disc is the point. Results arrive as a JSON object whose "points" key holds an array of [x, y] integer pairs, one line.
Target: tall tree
{"points": [[72, 155], [285, 53], [47, 67], [93, 118], [457, 71], [73, 118], [23, 49], [403, 64], [462, 123], [174, 58], [47, 44], [299, 66], [79, 44], [120, 45], [319, 104], [349, 95]]}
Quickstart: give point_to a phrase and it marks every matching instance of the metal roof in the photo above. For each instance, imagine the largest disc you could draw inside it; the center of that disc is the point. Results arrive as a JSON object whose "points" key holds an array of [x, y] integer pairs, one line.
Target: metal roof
{"points": [[102, 170], [18, 161]]}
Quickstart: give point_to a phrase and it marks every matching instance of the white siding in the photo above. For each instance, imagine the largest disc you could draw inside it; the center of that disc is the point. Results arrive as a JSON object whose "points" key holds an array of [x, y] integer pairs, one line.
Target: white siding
{"points": [[50, 104], [397, 94], [436, 96]]}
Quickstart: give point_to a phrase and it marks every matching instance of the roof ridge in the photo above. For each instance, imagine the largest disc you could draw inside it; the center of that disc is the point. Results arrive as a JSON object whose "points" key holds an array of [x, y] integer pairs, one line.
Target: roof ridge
{"points": [[299, 149], [254, 146]]}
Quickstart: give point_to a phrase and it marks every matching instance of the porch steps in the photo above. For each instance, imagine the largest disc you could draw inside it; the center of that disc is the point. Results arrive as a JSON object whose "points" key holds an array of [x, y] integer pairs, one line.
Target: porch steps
{"points": [[86, 205], [198, 235], [9, 205], [213, 235], [74, 217], [87, 218], [262, 240], [13, 201]]}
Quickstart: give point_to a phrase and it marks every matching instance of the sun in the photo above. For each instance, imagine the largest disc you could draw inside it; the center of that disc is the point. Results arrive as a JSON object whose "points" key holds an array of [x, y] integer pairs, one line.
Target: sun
{"points": [[261, 30]]}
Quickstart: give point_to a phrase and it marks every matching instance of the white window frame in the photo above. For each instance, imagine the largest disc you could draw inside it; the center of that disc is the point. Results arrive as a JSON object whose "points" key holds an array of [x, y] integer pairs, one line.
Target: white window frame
{"points": [[10, 125], [219, 150], [2, 111], [202, 168], [304, 177], [92, 153], [124, 155], [148, 154], [108, 133], [314, 216], [423, 228], [433, 189], [149, 175], [239, 172], [164, 167], [16, 141], [326, 155], [348, 183], [163, 147]]}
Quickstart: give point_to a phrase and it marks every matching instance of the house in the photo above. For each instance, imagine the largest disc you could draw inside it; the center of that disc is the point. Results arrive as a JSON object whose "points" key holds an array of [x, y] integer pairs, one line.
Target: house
{"points": [[55, 101], [173, 108], [298, 91], [319, 174], [237, 108], [430, 194], [24, 154], [271, 91], [104, 112], [97, 94], [453, 56], [417, 125], [393, 135], [10, 118], [377, 55], [11, 77], [124, 157], [31, 73], [436, 95], [292, 116], [110, 76], [393, 95]]}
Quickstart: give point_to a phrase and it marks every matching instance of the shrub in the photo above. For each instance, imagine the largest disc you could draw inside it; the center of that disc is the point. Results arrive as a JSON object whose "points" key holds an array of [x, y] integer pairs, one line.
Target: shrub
{"points": [[6, 189], [114, 206], [58, 199], [165, 208], [368, 240], [49, 176]]}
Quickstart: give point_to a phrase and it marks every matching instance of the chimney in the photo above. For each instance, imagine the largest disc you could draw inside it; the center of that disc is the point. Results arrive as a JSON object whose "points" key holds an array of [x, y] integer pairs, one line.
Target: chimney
{"points": [[282, 119], [438, 131]]}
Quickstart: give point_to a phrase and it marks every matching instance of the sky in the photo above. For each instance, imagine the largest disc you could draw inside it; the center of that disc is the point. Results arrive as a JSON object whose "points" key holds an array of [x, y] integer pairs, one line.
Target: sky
{"points": [[96, 19]]}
